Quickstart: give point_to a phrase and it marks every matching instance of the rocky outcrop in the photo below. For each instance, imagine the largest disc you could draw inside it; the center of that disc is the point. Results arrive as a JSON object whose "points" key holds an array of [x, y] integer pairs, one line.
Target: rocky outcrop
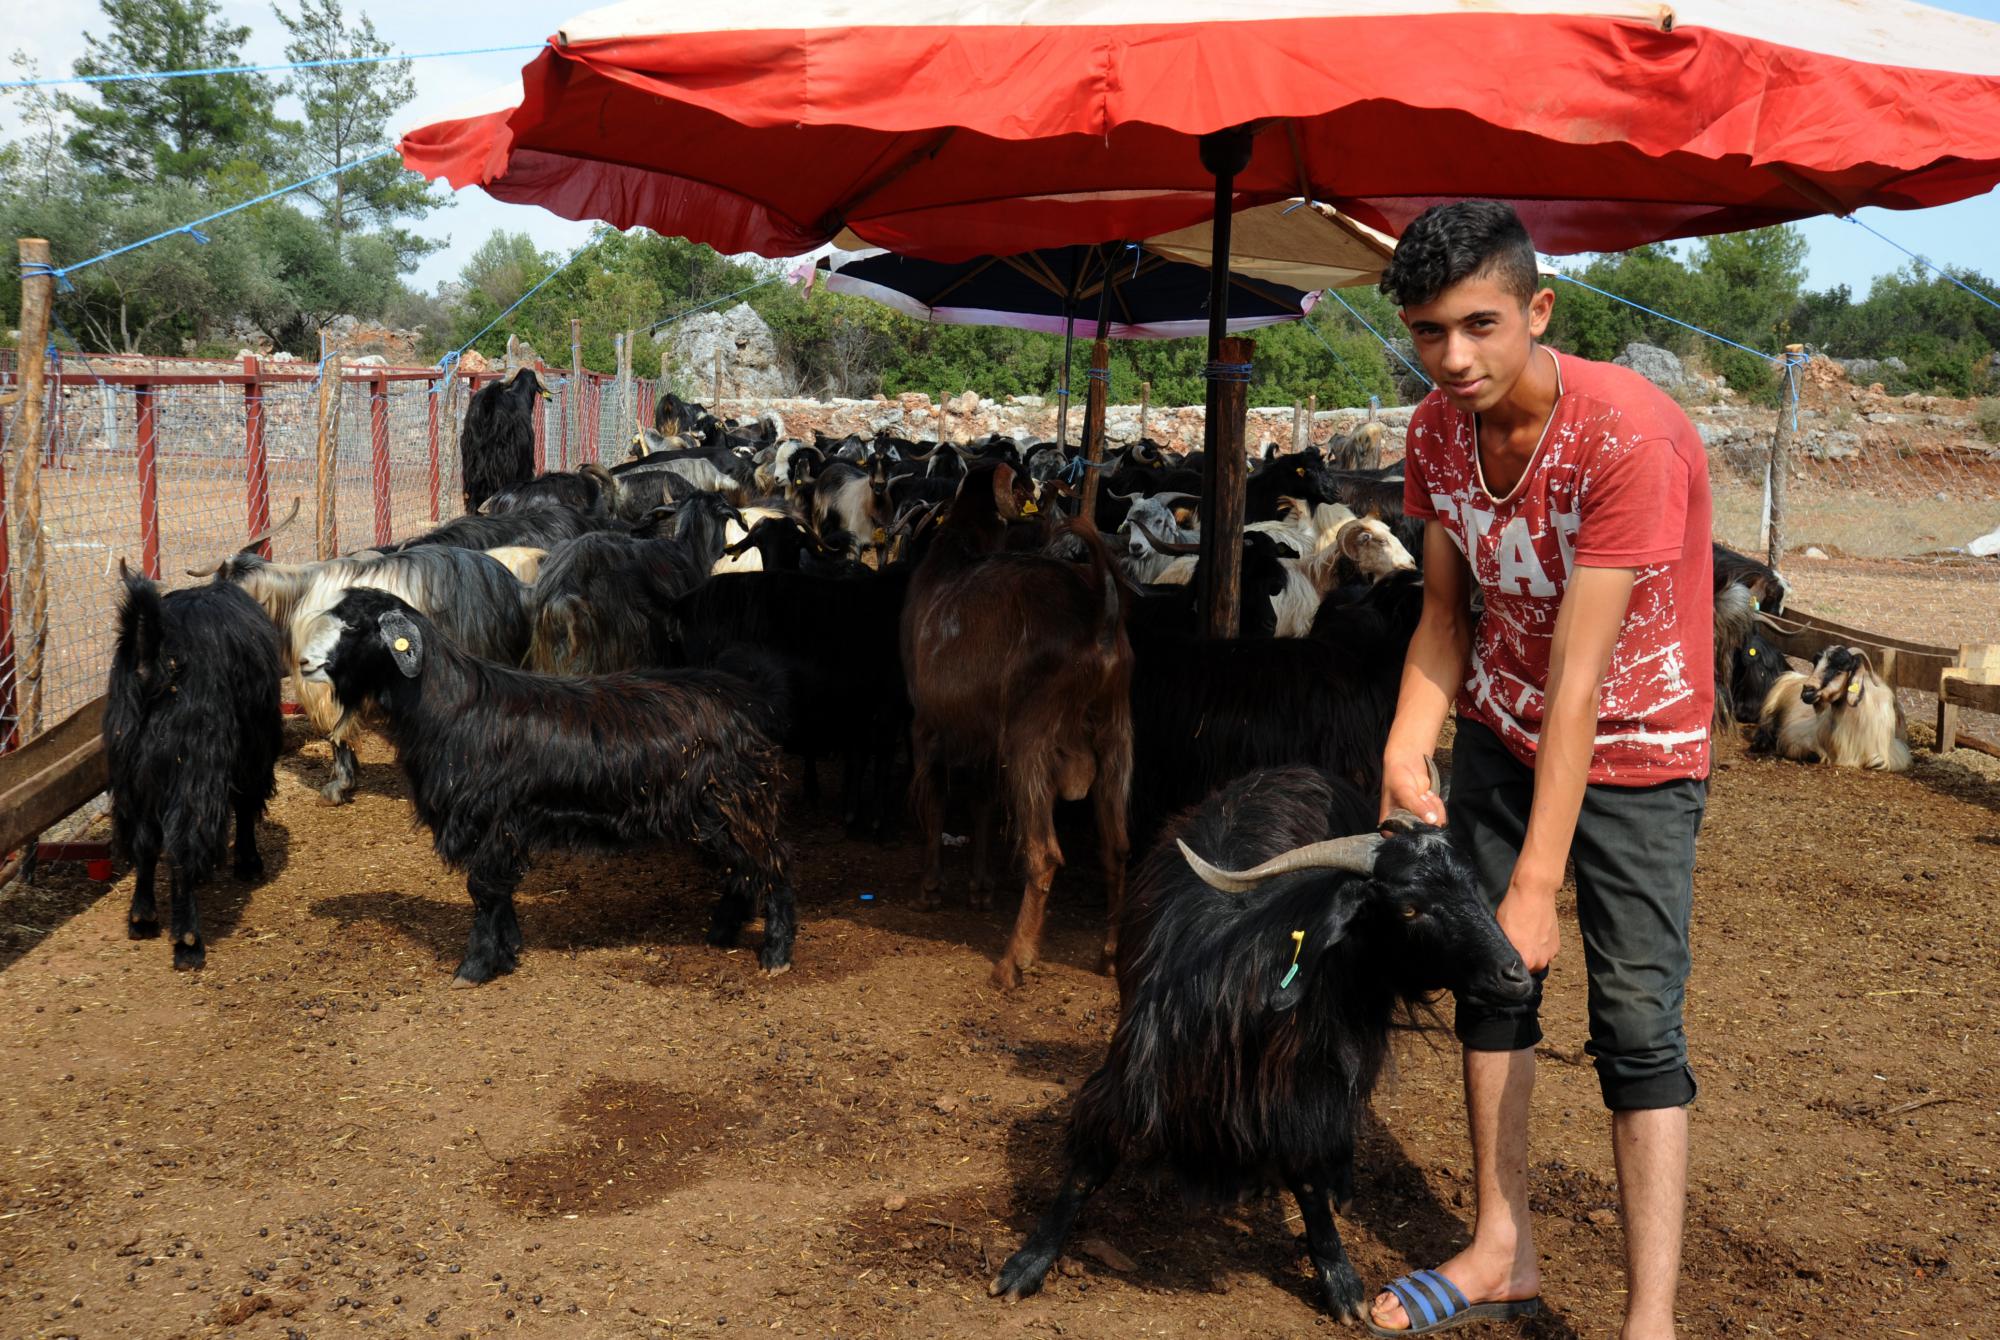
{"points": [[750, 362]]}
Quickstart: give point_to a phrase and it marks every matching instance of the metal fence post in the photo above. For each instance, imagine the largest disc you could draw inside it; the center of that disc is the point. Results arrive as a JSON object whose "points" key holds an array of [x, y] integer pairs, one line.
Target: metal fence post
{"points": [[256, 458], [433, 391]]}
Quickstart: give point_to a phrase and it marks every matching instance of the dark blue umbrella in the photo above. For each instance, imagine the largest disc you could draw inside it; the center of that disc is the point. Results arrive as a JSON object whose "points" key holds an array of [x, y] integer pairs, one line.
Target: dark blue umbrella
{"points": [[1133, 293]]}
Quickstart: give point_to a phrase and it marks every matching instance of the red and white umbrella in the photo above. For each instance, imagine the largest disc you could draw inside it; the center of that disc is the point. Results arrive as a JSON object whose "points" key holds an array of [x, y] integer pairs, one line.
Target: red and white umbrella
{"points": [[952, 130]]}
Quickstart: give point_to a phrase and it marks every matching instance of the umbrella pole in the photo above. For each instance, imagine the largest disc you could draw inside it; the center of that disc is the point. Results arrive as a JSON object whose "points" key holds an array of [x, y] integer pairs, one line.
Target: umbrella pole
{"points": [[1069, 336], [1224, 153], [1094, 398]]}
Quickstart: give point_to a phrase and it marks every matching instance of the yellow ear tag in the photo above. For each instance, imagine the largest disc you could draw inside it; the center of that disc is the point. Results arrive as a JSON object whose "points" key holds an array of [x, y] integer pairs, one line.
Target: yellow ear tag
{"points": [[881, 536], [1853, 692], [402, 644], [1298, 943], [1750, 650], [1029, 508]]}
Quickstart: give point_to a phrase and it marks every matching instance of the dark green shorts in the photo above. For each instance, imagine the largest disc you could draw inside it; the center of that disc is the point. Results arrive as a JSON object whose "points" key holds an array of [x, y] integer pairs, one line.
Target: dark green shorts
{"points": [[1634, 862]]}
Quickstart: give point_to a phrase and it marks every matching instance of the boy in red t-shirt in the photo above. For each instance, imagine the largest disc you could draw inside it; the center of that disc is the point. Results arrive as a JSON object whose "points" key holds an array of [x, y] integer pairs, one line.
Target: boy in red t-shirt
{"points": [[1574, 495]]}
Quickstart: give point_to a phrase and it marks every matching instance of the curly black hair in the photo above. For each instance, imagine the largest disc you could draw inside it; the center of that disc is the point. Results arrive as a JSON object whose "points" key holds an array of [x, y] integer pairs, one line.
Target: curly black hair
{"points": [[1450, 243]]}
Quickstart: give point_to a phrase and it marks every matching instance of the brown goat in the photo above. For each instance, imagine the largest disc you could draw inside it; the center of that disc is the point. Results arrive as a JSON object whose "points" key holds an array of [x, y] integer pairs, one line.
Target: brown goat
{"points": [[1019, 673]]}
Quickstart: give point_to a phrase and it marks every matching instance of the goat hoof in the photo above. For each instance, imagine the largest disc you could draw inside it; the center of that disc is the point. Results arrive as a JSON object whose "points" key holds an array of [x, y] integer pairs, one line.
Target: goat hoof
{"points": [[1006, 975], [137, 929], [980, 900], [929, 900], [1020, 1278], [1343, 1291], [189, 957], [461, 982], [778, 971], [333, 793], [250, 869]]}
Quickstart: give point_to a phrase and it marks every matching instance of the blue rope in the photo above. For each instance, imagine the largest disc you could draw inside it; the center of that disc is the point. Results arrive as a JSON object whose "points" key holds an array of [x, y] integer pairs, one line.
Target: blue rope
{"points": [[1314, 332], [669, 320], [193, 229], [453, 356], [131, 75], [1926, 264], [1227, 372], [1378, 335], [1685, 325]]}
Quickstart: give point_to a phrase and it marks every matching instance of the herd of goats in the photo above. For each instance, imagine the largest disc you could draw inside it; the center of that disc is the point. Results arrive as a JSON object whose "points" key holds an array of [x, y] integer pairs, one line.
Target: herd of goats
{"points": [[612, 658]]}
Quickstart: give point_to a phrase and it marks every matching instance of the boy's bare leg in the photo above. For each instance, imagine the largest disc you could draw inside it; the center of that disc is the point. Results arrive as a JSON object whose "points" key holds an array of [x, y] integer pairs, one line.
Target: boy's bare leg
{"points": [[1499, 1264], [1652, 1151]]}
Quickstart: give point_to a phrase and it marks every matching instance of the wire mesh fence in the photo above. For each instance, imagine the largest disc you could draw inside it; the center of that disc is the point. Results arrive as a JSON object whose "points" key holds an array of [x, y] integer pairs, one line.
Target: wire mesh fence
{"points": [[178, 463]]}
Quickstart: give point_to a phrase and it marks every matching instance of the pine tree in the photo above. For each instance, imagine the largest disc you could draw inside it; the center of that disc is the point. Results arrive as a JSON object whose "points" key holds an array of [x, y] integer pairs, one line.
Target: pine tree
{"points": [[347, 112], [168, 130]]}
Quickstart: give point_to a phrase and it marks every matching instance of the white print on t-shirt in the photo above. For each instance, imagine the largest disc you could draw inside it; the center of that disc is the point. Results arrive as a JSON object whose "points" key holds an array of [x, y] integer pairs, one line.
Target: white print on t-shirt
{"points": [[1522, 552]]}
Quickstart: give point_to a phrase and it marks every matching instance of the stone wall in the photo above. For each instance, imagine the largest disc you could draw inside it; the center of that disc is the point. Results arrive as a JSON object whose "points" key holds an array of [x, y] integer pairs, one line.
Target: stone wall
{"points": [[965, 417]]}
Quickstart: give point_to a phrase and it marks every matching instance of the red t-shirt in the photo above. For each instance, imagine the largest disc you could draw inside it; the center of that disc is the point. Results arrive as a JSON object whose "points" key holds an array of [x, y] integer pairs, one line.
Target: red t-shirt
{"points": [[1619, 480]]}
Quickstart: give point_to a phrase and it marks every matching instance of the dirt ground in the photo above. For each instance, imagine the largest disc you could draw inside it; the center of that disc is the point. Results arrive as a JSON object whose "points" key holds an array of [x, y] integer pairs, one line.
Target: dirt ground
{"points": [[637, 1135]]}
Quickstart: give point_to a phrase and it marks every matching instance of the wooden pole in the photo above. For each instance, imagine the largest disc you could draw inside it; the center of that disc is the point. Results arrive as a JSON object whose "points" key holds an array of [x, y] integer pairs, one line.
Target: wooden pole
{"points": [[1225, 471], [1312, 408], [454, 384], [1145, 402], [431, 443], [256, 455], [1781, 461], [146, 403], [579, 391], [378, 454], [1093, 424], [1298, 425], [940, 418], [37, 293], [1224, 153], [666, 369], [717, 411], [326, 526], [628, 402]]}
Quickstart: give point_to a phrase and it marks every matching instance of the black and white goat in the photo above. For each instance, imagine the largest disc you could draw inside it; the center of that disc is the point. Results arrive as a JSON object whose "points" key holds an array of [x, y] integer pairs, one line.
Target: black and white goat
{"points": [[191, 735], [473, 598], [504, 763], [1842, 713], [1255, 1004]]}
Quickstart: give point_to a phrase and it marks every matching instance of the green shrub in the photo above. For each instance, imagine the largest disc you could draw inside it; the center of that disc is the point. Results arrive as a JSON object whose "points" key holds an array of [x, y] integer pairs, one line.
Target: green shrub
{"points": [[1986, 414]]}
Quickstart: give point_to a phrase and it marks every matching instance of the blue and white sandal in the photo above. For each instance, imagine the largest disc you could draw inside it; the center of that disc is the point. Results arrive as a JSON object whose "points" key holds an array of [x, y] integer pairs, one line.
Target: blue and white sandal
{"points": [[1433, 1303]]}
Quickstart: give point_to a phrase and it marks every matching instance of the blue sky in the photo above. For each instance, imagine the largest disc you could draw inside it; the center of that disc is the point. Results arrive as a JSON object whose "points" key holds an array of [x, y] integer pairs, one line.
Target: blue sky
{"points": [[1960, 234]]}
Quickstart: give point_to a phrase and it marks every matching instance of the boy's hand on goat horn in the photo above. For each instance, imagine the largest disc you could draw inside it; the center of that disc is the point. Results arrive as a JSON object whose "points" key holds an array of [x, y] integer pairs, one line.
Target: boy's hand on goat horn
{"points": [[1410, 782]]}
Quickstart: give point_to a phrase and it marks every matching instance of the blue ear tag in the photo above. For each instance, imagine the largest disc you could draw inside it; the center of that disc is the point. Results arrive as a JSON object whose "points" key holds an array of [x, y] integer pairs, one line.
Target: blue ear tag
{"points": [[1298, 943]]}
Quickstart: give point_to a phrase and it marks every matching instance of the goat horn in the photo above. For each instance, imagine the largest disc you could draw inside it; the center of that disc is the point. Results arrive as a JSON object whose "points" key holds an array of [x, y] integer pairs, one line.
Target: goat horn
{"points": [[270, 531], [1354, 855], [1165, 546], [1169, 497]]}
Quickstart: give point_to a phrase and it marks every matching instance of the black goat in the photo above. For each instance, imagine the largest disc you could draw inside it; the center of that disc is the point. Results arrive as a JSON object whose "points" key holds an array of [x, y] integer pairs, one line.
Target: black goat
{"points": [[537, 527], [1254, 1015], [834, 639], [503, 763], [1205, 711], [1019, 672], [496, 450], [589, 489], [191, 734]]}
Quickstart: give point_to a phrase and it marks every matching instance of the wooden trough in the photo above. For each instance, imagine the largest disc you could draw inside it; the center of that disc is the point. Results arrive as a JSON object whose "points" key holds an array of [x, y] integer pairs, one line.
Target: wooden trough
{"points": [[1965, 679]]}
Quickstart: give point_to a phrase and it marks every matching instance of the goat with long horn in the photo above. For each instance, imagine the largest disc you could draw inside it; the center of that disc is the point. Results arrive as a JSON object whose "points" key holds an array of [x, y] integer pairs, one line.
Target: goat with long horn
{"points": [[1251, 1027]]}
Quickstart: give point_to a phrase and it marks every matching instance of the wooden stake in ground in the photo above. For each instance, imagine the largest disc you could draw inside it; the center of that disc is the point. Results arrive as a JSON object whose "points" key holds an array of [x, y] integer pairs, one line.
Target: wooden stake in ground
{"points": [[1781, 463], [717, 411], [37, 292], [576, 388], [326, 526], [1145, 398], [1298, 425], [454, 420], [628, 402]]}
